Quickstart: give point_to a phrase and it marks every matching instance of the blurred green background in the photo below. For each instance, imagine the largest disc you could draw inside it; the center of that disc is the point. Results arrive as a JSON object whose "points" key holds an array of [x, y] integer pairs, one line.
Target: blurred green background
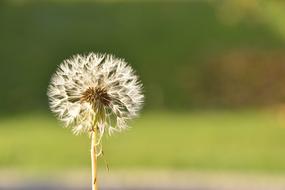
{"points": [[213, 74]]}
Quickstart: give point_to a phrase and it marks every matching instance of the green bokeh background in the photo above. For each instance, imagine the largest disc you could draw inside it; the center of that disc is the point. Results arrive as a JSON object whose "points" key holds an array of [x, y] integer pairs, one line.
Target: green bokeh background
{"points": [[213, 75]]}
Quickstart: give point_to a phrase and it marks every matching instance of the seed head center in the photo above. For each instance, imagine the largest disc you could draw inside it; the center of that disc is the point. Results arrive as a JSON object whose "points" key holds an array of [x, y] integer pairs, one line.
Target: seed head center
{"points": [[95, 96]]}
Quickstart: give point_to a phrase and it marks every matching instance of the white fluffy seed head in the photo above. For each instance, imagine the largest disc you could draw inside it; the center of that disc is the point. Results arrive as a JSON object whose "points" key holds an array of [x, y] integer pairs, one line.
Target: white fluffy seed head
{"points": [[95, 90]]}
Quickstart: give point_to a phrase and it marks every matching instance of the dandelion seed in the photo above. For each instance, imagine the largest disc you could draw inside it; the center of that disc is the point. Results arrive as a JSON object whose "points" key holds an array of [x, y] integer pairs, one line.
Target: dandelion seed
{"points": [[93, 94]]}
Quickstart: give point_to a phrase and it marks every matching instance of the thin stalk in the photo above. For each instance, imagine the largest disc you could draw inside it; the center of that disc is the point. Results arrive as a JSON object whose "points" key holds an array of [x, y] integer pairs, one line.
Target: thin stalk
{"points": [[94, 160]]}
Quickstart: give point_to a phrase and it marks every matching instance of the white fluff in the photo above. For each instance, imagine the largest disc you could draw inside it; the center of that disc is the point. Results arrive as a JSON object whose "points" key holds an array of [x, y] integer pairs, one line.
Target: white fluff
{"points": [[81, 72]]}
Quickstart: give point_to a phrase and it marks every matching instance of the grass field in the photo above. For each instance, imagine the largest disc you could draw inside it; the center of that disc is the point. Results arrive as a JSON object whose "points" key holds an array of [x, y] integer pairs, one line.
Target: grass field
{"points": [[244, 141]]}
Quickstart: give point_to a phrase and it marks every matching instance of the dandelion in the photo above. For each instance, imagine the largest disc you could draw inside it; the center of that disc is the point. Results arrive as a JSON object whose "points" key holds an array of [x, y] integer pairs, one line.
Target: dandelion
{"points": [[95, 94]]}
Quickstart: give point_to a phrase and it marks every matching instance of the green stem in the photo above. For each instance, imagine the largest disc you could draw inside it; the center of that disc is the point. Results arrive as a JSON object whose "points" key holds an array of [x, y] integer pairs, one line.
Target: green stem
{"points": [[94, 160]]}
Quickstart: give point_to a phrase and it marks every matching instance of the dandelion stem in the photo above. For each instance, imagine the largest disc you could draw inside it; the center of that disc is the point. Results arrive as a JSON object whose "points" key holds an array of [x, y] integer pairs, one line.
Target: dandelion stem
{"points": [[94, 160]]}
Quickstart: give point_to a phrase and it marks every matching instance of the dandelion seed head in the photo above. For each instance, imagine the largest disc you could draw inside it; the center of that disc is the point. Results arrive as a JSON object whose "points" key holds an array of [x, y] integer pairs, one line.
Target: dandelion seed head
{"points": [[95, 89]]}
